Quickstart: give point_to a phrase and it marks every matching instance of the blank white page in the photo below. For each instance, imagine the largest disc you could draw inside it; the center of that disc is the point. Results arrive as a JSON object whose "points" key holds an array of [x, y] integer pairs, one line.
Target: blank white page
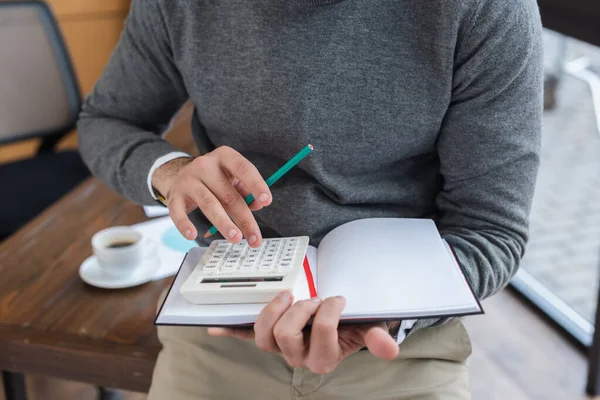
{"points": [[392, 267]]}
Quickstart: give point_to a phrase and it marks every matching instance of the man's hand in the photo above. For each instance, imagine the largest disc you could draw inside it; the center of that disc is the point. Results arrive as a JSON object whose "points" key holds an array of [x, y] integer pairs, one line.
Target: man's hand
{"points": [[280, 328], [217, 184]]}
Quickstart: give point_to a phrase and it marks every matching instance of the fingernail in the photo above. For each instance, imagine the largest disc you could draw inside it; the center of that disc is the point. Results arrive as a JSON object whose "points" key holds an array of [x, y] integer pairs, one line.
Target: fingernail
{"points": [[284, 297], [263, 197], [188, 234], [252, 239], [232, 233], [315, 300]]}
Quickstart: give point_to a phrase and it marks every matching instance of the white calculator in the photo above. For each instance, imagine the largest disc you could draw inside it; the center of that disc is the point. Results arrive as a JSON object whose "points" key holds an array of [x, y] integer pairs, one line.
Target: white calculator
{"points": [[237, 273]]}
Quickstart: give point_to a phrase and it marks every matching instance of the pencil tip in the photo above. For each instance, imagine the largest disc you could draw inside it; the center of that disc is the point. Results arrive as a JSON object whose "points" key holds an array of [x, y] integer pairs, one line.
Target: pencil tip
{"points": [[207, 234]]}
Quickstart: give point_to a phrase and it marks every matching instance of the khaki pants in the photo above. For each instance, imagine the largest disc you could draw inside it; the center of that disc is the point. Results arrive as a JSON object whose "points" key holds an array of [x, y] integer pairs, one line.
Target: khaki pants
{"points": [[432, 364]]}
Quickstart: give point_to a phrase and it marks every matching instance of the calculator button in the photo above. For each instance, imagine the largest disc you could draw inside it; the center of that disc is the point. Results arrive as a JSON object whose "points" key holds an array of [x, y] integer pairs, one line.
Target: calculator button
{"points": [[214, 262], [254, 251], [285, 265], [266, 265], [230, 265], [239, 246], [286, 259], [289, 254], [248, 264]]}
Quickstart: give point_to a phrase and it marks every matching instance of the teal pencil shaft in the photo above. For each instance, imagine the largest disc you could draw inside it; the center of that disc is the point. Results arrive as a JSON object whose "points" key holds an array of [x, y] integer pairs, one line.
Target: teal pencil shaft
{"points": [[276, 176]]}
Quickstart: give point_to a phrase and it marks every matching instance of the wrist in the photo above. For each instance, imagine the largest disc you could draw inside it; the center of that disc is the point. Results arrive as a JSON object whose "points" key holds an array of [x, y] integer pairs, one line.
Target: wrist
{"points": [[163, 177]]}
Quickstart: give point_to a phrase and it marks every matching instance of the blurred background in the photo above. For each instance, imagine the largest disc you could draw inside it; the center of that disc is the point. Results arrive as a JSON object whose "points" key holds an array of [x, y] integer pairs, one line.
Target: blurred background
{"points": [[90, 29], [537, 338]]}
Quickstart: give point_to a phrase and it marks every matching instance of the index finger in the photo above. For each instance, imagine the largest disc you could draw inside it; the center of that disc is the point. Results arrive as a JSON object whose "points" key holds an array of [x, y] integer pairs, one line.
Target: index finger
{"points": [[266, 320], [178, 215], [288, 331], [324, 348], [239, 167]]}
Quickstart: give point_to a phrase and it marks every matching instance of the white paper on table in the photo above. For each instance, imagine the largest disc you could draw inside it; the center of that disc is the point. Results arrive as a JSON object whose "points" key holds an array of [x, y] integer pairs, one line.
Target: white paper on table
{"points": [[155, 211], [172, 246]]}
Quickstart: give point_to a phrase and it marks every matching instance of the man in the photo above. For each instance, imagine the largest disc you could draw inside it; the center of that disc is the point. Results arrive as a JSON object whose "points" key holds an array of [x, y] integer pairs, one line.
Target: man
{"points": [[416, 109]]}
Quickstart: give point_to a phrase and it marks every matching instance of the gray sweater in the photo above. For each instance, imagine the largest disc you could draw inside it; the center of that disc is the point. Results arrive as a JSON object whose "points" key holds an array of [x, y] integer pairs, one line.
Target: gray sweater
{"points": [[415, 109]]}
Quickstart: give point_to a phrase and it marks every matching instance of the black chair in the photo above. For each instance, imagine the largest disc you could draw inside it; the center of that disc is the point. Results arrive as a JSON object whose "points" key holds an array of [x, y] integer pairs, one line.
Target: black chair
{"points": [[39, 98]]}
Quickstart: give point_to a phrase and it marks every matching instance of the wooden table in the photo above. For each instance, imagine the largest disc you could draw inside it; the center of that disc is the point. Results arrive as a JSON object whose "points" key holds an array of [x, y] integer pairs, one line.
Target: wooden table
{"points": [[51, 322]]}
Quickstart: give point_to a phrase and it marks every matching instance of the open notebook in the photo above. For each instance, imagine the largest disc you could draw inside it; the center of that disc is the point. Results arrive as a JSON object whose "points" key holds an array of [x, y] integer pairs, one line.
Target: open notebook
{"points": [[386, 268]]}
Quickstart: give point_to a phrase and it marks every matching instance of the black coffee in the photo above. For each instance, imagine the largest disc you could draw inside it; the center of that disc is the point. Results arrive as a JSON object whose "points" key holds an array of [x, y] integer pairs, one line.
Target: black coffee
{"points": [[116, 245]]}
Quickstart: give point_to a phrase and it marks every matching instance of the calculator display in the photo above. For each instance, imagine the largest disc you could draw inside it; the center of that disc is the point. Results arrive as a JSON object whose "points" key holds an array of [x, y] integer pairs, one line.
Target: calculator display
{"points": [[242, 279]]}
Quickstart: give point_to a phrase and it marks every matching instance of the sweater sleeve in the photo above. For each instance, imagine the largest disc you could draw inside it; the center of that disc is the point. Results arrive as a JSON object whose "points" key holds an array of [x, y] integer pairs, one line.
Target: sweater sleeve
{"points": [[138, 93], [489, 143]]}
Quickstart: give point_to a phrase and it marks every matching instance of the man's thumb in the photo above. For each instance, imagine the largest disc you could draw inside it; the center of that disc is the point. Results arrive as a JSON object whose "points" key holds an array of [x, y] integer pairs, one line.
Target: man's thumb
{"points": [[380, 343]]}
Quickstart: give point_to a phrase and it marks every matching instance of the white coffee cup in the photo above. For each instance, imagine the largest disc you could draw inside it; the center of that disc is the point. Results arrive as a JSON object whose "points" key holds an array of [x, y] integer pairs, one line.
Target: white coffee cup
{"points": [[120, 250]]}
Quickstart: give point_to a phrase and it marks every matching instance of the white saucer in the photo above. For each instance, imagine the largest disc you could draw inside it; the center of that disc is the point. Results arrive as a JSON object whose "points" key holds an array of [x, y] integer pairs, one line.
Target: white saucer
{"points": [[92, 274]]}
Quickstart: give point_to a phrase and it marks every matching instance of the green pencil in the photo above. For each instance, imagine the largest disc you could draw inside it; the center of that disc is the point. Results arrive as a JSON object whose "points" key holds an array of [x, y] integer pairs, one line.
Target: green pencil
{"points": [[273, 178]]}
